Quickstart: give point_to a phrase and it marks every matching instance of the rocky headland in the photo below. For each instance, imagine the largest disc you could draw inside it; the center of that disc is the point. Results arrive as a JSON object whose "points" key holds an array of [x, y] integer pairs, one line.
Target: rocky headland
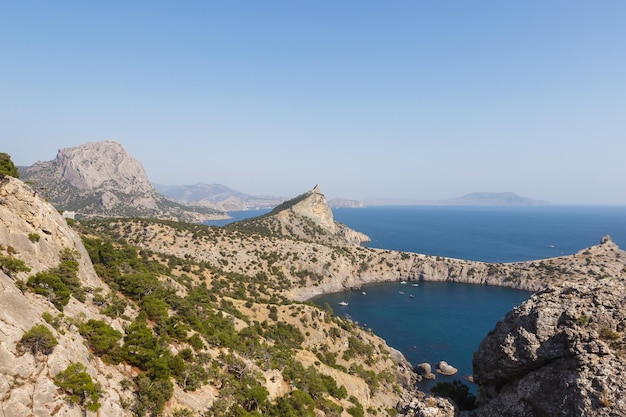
{"points": [[562, 352]]}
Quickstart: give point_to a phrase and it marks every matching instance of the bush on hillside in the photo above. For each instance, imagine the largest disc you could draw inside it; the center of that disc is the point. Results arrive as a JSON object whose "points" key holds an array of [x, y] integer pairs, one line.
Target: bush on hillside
{"points": [[78, 386], [39, 339], [7, 168], [457, 392]]}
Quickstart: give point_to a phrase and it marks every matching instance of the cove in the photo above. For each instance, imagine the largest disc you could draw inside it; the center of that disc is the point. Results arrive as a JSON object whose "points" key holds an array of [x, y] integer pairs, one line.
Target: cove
{"points": [[431, 322]]}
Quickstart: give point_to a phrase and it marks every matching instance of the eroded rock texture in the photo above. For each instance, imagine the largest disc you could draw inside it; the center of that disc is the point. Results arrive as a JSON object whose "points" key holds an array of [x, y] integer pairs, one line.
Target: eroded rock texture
{"points": [[561, 353]]}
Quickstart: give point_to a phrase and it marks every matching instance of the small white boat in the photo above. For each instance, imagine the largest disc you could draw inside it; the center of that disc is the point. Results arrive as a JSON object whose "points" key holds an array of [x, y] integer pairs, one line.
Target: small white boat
{"points": [[343, 303], [415, 285], [400, 292], [363, 292], [402, 282]]}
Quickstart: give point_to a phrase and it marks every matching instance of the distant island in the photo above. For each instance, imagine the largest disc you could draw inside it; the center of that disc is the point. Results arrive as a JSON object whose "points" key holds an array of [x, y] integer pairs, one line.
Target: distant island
{"points": [[472, 199]]}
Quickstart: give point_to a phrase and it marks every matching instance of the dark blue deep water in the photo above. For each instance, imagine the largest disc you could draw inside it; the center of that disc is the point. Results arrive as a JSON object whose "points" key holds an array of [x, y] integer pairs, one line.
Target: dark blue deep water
{"points": [[490, 234]]}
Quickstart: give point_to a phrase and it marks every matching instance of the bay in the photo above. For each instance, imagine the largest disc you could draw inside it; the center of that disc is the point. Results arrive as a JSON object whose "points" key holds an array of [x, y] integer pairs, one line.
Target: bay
{"points": [[445, 321]]}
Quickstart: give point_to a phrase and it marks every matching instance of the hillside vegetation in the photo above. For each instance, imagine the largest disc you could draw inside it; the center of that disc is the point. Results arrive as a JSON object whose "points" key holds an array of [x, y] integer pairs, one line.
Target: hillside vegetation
{"points": [[104, 325], [139, 317]]}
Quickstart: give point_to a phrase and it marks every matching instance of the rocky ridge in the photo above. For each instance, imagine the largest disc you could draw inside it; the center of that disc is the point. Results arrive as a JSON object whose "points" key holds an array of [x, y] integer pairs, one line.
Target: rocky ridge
{"points": [[102, 179], [305, 217]]}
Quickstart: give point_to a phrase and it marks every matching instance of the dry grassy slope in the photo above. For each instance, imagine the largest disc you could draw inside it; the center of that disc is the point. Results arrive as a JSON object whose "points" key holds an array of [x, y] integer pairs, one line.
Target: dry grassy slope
{"points": [[315, 268]]}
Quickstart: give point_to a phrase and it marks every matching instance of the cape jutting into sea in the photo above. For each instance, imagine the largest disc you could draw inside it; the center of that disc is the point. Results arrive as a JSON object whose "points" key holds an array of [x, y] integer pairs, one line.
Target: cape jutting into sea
{"points": [[439, 321]]}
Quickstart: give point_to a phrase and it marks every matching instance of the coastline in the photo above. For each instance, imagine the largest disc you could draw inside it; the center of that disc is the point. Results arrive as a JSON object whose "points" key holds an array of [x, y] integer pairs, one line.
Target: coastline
{"points": [[604, 259]]}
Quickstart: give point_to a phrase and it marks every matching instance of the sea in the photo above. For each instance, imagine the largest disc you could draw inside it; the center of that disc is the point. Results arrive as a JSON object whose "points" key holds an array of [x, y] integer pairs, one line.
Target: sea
{"points": [[437, 321]]}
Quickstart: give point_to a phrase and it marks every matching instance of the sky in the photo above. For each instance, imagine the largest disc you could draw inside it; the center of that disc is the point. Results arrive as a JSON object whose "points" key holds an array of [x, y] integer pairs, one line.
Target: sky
{"points": [[415, 99]]}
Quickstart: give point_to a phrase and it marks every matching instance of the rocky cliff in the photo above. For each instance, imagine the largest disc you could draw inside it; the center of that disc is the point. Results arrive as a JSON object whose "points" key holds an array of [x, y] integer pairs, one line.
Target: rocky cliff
{"points": [[103, 179], [33, 232], [563, 352], [305, 217]]}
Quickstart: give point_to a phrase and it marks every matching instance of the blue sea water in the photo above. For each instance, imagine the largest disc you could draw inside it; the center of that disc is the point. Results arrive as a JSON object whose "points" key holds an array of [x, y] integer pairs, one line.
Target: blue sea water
{"points": [[238, 215], [447, 321], [489, 234]]}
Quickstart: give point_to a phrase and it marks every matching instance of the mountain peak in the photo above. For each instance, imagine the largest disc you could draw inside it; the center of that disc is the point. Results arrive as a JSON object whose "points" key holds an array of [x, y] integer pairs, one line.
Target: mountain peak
{"points": [[102, 164], [103, 179], [307, 216]]}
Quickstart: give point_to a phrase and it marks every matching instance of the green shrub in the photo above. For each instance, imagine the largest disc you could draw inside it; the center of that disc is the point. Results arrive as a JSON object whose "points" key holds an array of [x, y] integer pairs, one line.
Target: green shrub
{"points": [[151, 395], [39, 339], [7, 168], [34, 237], [57, 284], [457, 392], [357, 410], [10, 265], [607, 333], [101, 337], [48, 284], [78, 386], [286, 334], [296, 404]]}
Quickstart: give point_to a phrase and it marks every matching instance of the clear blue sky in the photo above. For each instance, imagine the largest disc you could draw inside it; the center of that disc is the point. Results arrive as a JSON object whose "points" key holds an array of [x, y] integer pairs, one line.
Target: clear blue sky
{"points": [[415, 99]]}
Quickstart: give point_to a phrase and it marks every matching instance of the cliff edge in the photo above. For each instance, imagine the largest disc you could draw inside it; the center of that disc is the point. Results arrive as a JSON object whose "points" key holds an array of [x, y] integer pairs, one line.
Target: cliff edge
{"points": [[563, 352]]}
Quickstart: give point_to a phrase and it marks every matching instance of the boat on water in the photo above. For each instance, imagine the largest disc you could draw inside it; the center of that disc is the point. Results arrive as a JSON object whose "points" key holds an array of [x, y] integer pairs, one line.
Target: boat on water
{"points": [[343, 303], [411, 296], [415, 285], [363, 293], [402, 282], [400, 292]]}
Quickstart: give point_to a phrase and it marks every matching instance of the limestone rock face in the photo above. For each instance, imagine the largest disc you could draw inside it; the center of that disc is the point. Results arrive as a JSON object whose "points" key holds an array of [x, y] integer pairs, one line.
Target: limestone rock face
{"points": [[102, 179], [24, 214], [103, 165], [26, 381], [308, 217], [562, 352]]}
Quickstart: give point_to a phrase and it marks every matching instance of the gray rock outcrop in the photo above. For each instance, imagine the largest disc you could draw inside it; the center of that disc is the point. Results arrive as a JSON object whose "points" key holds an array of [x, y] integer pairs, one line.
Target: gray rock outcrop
{"points": [[103, 179], [561, 353], [424, 370], [26, 380], [445, 369]]}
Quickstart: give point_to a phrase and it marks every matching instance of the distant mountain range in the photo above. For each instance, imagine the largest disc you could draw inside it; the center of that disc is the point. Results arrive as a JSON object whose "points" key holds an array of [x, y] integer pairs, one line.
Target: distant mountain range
{"points": [[220, 197], [217, 196], [103, 179]]}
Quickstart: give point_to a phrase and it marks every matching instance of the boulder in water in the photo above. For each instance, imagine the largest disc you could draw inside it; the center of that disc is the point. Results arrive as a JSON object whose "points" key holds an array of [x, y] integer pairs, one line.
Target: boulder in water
{"points": [[424, 370], [444, 369]]}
